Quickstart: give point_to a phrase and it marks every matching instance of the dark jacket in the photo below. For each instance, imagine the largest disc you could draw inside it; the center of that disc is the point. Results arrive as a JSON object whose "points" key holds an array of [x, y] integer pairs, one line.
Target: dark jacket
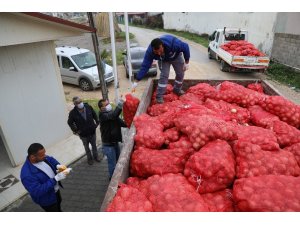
{"points": [[172, 48], [38, 184], [81, 126], [110, 126]]}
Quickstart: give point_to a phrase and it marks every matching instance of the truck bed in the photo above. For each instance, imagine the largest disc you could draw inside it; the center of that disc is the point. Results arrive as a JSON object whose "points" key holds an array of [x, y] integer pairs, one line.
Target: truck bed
{"points": [[122, 168], [247, 62]]}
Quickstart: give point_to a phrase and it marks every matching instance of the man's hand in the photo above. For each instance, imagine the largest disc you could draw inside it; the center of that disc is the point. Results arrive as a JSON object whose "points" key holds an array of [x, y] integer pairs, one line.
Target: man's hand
{"points": [[185, 67], [60, 176], [60, 168], [134, 86]]}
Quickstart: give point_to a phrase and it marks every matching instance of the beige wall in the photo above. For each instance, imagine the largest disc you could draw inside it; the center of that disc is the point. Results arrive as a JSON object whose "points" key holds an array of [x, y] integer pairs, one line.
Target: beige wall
{"points": [[288, 23], [17, 28], [33, 107]]}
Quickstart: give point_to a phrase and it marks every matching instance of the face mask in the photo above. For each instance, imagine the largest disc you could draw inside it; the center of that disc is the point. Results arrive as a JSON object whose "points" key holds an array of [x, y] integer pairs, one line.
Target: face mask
{"points": [[80, 105], [108, 108]]}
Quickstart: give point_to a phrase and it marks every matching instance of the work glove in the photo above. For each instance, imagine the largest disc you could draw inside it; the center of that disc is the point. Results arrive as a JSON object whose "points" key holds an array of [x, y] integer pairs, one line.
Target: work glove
{"points": [[134, 86], [185, 67], [60, 176], [120, 103]]}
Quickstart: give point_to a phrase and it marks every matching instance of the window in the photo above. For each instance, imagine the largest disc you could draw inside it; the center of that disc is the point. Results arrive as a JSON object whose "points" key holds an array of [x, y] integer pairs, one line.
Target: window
{"points": [[234, 37], [66, 62], [85, 60], [217, 38]]}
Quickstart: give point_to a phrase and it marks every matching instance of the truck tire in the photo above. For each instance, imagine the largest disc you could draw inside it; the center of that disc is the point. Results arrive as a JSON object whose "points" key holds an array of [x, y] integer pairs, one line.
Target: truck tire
{"points": [[209, 54], [85, 85], [224, 67]]}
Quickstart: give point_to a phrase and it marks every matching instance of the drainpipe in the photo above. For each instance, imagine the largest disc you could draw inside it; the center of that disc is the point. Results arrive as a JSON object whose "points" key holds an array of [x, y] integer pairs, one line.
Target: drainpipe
{"points": [[100, 68], [114, 58], [128, 49]]}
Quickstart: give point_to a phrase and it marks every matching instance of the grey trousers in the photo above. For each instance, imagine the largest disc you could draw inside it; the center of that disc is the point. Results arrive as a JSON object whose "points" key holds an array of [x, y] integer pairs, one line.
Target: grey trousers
{"points": [[90, 140], [164, 75]]}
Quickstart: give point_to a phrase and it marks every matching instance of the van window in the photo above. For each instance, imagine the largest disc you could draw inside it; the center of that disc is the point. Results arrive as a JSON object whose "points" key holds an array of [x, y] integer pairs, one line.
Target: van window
{"points": [[66, 62]]}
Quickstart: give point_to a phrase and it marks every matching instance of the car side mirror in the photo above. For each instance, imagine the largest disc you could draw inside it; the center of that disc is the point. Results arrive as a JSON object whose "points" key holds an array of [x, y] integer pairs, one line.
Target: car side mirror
{"points": [[124, 53], [72, 68], [210, 38]]}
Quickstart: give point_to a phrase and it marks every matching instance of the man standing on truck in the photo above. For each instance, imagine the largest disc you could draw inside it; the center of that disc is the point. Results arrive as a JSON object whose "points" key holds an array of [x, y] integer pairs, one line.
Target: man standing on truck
{"points": [[168, 50], [110, 128]]}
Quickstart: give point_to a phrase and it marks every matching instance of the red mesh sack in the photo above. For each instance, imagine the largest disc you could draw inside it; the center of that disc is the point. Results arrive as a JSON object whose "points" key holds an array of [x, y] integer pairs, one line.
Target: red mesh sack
{"points": [[256, 86], [167, 118], [129, 108], [286, 134], [265, 138], [158, 109], [147, 162], [191, 97], [252, 161], [167, 97], [212, 168], [267, 193], [238, 94], [202, 129], [229, 111], [295, 149], [129, 199], [171, 135], [260, 117], [220, 201], [133, 182], [204, 90], [286, 110], [183, 142], [173, 193], [149, 132]]}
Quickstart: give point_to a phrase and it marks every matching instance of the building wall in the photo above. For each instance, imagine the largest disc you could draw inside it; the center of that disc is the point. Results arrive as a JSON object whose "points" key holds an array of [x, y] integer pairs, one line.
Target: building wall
{"points": [[286, 47], [18, 28], [33, 107], [259, 25]]}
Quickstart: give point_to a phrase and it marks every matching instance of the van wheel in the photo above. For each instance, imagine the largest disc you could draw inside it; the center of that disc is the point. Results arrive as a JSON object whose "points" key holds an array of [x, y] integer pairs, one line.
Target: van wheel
{"points": [[224, 66], [85, 85], [209, 54]]}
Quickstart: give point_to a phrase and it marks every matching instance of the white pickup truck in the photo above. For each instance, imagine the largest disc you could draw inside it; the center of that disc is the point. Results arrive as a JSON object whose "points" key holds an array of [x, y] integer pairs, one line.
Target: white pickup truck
{"points": [[229, 62]]}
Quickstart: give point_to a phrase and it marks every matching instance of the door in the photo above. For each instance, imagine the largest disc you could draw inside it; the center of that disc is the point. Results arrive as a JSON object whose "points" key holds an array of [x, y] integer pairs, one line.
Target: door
{"points": [[69, 72], [214, 44]]}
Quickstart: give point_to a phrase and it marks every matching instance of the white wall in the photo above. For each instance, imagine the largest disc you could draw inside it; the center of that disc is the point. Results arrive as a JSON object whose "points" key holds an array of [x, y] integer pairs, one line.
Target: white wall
{"points": [[259, 25], [33, 107], [18, 28], [288, 23]]}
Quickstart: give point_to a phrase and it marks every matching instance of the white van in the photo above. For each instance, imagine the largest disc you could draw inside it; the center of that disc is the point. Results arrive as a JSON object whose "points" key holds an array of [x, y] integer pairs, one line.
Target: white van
{"points": [[78, 66]]}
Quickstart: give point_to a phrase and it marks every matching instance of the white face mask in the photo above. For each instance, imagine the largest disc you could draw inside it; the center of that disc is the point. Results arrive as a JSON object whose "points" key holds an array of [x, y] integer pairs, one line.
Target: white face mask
{"points": [[80, 105], [108, 107]]}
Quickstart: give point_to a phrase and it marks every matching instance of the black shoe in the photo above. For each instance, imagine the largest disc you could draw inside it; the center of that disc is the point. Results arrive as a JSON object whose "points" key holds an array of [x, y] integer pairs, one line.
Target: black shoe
{"points": [[179, 93], [90, 162]]}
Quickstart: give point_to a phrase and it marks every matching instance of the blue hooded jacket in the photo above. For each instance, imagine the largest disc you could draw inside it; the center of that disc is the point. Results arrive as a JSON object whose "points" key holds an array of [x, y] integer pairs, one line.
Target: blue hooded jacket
{"points": [[38, 184], [172, 48]]}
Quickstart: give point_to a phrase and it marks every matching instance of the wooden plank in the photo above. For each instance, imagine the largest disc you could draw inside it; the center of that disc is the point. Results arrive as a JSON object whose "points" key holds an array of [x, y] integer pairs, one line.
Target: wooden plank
{"points": [[122, 168]]}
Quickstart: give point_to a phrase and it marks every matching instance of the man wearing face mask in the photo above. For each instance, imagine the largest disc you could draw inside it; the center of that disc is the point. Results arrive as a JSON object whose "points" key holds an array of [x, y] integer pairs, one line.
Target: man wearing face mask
{"points": [[41, 177], [110, 128], [83, 121]]}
